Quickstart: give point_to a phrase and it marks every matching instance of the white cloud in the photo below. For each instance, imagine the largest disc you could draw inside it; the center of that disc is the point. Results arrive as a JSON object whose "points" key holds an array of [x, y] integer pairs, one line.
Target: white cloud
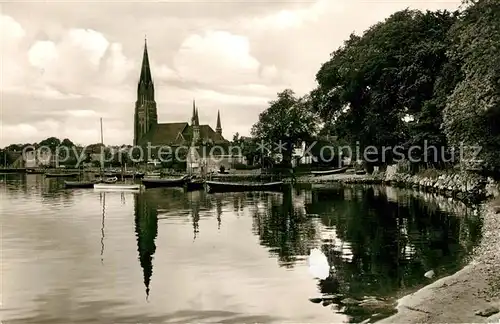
{"points": [[42, 54], [80, 62], [91, 41], [71, 65], [289, 18], [24, 132], [117, 65], [216, 57], [11, 36], [163, 72], [10, 29]]}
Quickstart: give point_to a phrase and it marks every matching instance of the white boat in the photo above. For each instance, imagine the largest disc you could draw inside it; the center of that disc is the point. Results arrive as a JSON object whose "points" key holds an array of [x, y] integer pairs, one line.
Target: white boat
{"points": [[117, 186]]}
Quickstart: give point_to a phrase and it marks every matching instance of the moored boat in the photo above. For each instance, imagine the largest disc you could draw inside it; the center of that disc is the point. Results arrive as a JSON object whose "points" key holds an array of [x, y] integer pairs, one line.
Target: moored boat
{"points": [[61, 175], [35, 171], [156, 183], [117, 186], [152, 175], [194, 185], [215, 186], [328, 172], [109, 180], [136, 175], [79, 184]]}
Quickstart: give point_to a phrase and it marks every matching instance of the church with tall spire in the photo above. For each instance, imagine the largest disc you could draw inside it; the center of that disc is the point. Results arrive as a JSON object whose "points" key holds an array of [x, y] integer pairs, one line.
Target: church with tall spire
{"points": [[146, 126]]}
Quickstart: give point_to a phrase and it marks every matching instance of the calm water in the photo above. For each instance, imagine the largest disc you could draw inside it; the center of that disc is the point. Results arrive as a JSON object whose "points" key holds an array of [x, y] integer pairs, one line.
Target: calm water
{"points": [[82, 256]]}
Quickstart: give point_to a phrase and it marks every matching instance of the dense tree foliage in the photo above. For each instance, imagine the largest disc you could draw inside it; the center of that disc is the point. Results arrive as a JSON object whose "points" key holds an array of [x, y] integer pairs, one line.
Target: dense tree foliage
{"points": [[418, 78], [392, 71], [288, 121], [248, 146], [472, 113]]}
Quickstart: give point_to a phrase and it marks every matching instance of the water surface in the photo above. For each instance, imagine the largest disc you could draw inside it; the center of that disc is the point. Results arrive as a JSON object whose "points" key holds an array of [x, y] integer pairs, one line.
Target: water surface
{"points": [[82, 256]]}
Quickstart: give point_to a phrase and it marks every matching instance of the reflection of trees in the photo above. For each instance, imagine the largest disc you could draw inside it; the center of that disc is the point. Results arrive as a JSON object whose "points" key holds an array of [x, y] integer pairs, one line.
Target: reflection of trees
{"points": [[53, 189], [392, 244], [146, 228], [283, 228]]}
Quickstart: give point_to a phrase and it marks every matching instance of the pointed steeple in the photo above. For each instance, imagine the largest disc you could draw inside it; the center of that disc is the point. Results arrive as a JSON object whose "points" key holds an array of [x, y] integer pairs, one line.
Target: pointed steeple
{"points": [[193, 118], [145, 68], [218, 128], [145, 114], [195, 123], [197, 119]]}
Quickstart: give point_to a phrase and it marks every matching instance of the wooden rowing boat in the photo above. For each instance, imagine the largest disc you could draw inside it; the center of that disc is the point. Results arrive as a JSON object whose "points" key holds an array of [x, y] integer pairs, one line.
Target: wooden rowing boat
{"points": [[214, 186], [79, 184], [117, 186], [61, 175], [328, 172], [194, 185], [156, 183]]}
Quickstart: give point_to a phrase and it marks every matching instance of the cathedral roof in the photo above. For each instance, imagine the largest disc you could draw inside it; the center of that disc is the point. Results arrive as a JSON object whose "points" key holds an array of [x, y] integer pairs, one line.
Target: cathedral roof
{"points": [[178, 134]]}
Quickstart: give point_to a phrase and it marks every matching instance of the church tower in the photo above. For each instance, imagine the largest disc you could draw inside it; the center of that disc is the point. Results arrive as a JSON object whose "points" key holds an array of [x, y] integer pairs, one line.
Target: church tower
{"points": [[145, 116]]}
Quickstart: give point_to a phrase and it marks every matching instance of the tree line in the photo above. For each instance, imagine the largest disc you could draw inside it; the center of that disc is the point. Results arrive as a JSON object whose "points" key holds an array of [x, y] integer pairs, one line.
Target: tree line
{"points": [[417, 77], [69, 152]]}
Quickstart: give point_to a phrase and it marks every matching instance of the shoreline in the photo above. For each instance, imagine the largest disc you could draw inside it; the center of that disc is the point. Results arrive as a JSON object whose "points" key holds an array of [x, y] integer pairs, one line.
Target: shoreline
{"points": [[458, 298], [471, 295]]}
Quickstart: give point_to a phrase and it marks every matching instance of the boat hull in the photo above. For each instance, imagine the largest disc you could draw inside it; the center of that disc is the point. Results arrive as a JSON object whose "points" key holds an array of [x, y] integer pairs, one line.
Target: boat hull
{"points": [[117, 186], [213, 186], [34, 171], [79, 184], [135, 176], [195, 185], [165, 183], [61, 175], [328, 172]]}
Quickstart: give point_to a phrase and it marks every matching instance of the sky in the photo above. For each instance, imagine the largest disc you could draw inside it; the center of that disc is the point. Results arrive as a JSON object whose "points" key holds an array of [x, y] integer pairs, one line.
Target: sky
{"points": [[65, 64]]}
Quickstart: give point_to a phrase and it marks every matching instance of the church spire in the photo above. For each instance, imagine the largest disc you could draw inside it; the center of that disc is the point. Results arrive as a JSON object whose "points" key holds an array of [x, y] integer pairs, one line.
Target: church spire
{"points": [[193, 118], [195, 123], [145, 68], [145, 115], [218, 128], [197, 119]]}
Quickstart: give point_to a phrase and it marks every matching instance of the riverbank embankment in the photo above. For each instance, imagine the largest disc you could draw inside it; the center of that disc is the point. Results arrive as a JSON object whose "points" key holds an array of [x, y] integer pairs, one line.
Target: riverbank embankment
{"points": [[472, 295]]}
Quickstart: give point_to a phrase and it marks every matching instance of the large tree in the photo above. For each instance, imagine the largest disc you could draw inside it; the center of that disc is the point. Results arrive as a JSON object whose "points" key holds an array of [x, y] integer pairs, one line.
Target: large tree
{"points": [[285, 123], [390, 72], [472, 114], [51, 143]]}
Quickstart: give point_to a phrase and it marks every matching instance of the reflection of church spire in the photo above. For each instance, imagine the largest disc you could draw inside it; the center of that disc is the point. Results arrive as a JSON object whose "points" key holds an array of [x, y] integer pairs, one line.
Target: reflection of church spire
{"points": [[146, 229]]}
